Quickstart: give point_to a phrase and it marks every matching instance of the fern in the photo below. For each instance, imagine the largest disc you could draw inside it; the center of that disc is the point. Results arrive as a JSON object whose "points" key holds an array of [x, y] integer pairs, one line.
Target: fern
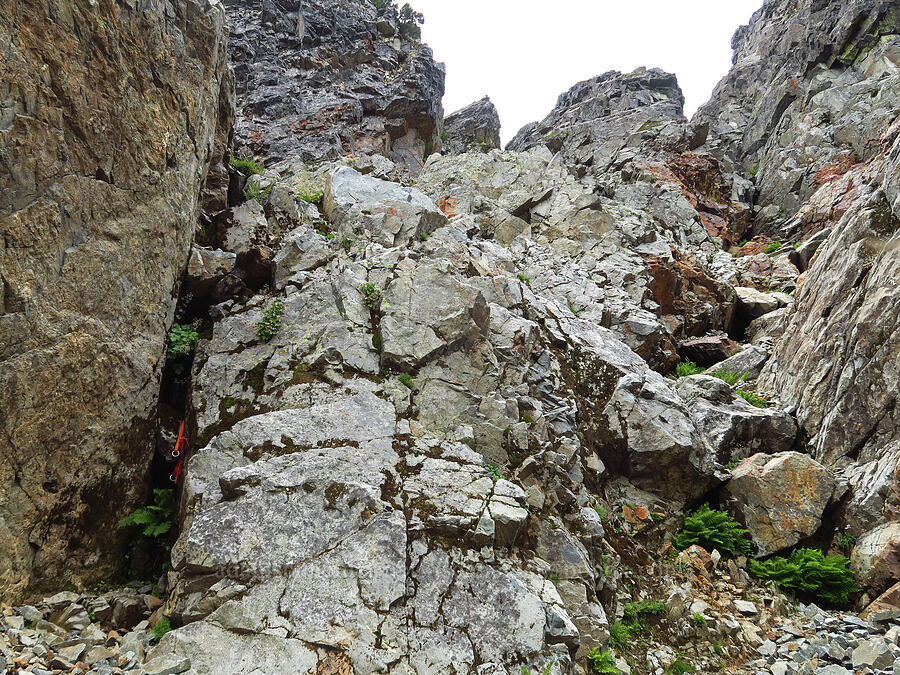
{"points": [[688, 367], [810, 572], [711, 529], [155, 519], [602, 663]]}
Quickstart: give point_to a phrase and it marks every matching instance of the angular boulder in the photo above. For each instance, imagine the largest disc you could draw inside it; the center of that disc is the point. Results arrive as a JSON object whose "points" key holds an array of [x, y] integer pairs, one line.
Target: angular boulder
{"points": [[732, 427], [804, 488], [473, 128], [384, 212]]}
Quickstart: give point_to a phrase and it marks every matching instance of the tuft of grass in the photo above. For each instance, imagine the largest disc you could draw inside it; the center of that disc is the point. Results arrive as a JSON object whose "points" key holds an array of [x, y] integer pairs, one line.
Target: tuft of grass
{"points": [[371, 295], [310, 196], [162, 627], [771, 247], [688, 367], [247, 165], [698, 619], [602, 662], [711, 529], [752, 398], [406, 380], [524, 278], [270, 324], [810, 572]]}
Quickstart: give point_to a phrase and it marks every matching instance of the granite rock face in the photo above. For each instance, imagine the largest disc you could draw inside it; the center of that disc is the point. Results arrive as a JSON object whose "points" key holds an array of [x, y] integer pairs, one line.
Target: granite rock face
{"points": [[328, 78], [473, 128], [102, 169]]}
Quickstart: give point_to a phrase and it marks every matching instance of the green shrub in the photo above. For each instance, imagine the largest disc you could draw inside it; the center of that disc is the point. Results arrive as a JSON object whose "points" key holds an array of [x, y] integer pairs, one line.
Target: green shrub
{"points": [[810, 572], [688, 367], [371, 296], [270, 324], [405, 379], [182, 340], [155, 519], [772, 246], [602, 663], [752, 398], [247, 166], [162, 627], [729, 376], [619, 634], [711, 529]]}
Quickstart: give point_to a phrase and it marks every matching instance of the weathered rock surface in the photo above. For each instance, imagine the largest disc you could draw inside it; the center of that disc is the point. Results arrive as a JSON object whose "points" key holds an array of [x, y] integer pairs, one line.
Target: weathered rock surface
{"points": [[288, 58], [876, 557], [597, 117], [471, 129], [804, 488], [102, 170]]}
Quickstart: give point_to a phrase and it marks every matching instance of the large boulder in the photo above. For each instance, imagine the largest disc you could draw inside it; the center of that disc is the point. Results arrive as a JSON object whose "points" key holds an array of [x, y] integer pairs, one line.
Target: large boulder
{"points": [[475, 128], [876, 557], [387, 213], [732, 427], [103, 168], [804, 489]]}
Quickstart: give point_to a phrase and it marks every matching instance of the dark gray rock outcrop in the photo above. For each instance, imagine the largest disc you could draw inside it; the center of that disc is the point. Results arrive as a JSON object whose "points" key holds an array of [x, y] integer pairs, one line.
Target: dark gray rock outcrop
{"points": [[104, 149], [475, 127], [814, 87], [327, 78], [594, 118]]}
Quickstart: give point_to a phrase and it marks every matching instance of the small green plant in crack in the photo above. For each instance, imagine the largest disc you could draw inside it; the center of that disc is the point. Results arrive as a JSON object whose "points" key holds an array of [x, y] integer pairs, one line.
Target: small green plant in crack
{"points": [[494, 471], [729, 376], [732, 464], [406, 380], [688, 367], [753, 170], [718, 648], [698, 619], [270, 324], [182, 340], [371, 295], [155, 519], [602, 662], [247, 165], [845, 541], [163, 626], [347, 243], [752, 398], [601, 511], [525, 279], [254, 191], [636, 613], [680, 666], [425, 236], [771, 247]]}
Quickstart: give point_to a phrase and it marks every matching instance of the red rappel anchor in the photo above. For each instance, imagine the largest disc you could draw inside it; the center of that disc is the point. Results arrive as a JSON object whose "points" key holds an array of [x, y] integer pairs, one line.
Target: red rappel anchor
{"points": [[181, 446]]}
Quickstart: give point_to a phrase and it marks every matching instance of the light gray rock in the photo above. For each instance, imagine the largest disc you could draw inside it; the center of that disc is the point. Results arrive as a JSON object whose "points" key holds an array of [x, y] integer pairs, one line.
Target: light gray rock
{"points": [[387, 213]]}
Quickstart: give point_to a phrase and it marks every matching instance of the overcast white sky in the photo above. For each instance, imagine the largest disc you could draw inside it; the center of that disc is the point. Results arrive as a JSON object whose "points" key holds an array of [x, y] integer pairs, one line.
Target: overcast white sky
{"points": [[525, 53]]}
